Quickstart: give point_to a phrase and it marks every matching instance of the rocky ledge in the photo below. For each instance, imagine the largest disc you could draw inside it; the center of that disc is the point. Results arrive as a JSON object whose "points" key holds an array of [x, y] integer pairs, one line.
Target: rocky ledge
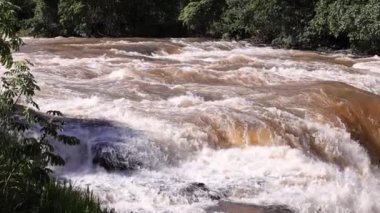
{"points": [[110, 157]]}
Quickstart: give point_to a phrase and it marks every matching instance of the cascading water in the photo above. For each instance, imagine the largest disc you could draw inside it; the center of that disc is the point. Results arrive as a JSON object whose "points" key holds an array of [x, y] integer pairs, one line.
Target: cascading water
{"points": [[183, 123]]}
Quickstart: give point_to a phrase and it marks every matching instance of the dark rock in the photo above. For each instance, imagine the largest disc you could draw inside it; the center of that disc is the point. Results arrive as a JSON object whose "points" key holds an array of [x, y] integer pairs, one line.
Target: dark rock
{"points": [[194, 191], [231, 207], [111, 158]]}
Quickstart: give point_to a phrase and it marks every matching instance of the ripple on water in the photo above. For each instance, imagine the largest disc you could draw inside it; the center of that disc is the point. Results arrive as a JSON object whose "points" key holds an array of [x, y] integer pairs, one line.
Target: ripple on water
{"points": [[255, 125]]}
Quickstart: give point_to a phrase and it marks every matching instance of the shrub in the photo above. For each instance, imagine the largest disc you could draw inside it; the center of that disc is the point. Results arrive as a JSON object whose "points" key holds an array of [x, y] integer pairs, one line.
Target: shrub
{"points": [[26, 184]]}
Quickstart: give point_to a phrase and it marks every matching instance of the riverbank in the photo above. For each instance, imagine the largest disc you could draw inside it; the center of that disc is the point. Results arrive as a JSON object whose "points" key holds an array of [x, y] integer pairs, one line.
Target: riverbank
{"points": [[23, 190], [301, 25]]}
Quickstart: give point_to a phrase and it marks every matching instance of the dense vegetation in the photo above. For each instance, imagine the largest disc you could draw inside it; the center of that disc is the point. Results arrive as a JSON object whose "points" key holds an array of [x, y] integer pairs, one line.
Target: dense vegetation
{"points": [[26, 138], [101, 18], [306, 24], [290, 23]]}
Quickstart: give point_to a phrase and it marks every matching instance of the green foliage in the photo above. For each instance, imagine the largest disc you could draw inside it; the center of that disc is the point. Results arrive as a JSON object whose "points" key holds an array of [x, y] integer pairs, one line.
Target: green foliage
{"points": [[270, 21], [235, 20], [151, 17], [24, 12], [358, 20], [8, 30], [46, 21], [285, 23], [201, 16], [65, 199], [103, 17], [26, 153], [132, 17], [72, 17], [290, 23]]}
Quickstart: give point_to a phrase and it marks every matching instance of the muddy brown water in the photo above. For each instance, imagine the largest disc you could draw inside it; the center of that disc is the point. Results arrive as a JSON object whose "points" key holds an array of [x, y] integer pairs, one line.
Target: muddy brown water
{"points": [[263, 126]]}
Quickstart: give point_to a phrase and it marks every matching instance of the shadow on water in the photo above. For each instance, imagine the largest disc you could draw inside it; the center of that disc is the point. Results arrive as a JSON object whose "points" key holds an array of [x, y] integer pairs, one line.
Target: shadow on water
{"points": [[231, 207], [107, 145]]}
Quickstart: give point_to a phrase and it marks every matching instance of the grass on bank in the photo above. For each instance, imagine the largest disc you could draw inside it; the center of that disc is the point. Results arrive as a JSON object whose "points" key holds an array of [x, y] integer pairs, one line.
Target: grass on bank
{"points": [[62, 199], [24, 189]]}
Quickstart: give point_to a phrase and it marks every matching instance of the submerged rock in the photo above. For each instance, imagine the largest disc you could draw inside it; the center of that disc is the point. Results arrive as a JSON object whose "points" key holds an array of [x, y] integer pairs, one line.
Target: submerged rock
{"points": [[111, 158], [194, 191], [231, 207]]}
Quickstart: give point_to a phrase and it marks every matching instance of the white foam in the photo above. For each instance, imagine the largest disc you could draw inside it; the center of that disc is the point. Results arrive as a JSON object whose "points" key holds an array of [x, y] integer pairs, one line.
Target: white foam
{"points": [[256, 175], [372, 66], [186, 100], [170, 124]]}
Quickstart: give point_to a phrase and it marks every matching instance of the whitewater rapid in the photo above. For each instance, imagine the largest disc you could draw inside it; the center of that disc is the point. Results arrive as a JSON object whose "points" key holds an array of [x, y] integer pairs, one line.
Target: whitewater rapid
{"points": [[256, 125]]}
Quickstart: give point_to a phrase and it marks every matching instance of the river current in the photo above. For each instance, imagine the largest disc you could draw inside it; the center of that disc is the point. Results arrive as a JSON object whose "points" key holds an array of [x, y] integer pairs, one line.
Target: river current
{"points": [[254, 125]]}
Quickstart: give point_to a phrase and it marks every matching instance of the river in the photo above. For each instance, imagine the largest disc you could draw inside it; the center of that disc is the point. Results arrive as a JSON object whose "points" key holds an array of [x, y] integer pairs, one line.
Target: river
{"points": [[194, 121]]}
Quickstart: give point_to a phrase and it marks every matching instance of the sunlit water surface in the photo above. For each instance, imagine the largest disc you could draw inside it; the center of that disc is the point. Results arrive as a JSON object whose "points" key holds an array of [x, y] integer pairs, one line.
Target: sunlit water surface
{"points": [[256, 125]]}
